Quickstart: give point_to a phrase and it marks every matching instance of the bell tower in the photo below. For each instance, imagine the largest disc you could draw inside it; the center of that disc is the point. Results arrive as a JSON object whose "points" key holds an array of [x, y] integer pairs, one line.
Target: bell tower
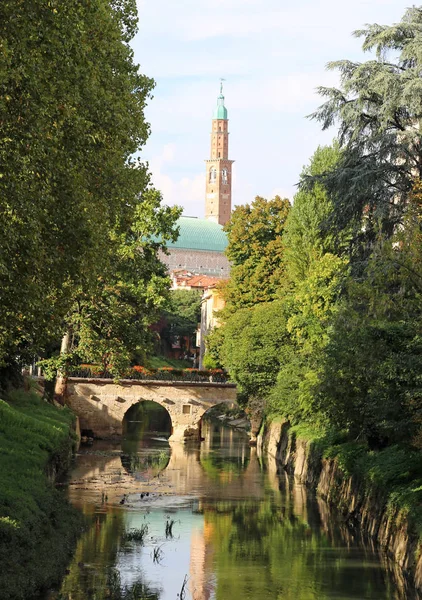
{"points": [[218, 195]]}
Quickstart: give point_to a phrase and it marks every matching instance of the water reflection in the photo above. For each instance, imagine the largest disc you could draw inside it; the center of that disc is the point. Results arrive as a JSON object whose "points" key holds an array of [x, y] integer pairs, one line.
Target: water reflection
{"points": [[225, 453], [146, 417], [238, 531]]}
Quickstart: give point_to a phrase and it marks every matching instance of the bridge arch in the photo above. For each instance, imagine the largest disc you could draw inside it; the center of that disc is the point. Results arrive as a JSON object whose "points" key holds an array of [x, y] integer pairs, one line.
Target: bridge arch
{"points": [[101, 404], [146, 416]]}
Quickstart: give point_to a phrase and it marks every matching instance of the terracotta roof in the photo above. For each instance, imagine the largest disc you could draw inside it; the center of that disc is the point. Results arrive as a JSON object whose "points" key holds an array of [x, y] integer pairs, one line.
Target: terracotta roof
{"points": [[203, 281], [185, 278]]}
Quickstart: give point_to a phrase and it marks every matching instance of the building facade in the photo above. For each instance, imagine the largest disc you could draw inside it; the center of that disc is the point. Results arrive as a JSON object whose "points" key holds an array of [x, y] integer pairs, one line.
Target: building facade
{"points": [[212, 303], [199, 248]]}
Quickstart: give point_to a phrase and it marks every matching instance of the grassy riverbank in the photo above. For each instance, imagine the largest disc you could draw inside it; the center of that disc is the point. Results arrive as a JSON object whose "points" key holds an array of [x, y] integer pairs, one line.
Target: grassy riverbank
{"points": [[37, 525]]}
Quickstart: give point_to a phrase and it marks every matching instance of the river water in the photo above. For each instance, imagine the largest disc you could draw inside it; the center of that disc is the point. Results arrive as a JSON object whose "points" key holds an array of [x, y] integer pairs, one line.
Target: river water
{"points": [[210, 523]]}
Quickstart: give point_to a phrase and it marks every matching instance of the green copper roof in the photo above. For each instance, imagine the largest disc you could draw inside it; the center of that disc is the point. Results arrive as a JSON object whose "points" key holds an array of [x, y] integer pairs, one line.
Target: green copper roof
{"points": [[199, 234], [220, 111]]}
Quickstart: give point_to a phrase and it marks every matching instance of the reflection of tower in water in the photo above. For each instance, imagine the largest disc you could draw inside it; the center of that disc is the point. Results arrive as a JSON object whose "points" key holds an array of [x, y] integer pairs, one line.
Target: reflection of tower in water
{"points": [[201, 582], [238, 469]]}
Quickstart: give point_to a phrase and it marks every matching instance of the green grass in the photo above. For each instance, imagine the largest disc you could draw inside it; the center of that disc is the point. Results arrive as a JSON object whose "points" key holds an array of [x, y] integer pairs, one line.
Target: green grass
{"points": [[157, 362], [37, 525]]}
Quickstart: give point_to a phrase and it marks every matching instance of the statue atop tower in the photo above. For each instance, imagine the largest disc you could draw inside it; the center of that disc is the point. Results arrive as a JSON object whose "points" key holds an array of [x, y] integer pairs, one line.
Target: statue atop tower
{"points": [[218, 198]]}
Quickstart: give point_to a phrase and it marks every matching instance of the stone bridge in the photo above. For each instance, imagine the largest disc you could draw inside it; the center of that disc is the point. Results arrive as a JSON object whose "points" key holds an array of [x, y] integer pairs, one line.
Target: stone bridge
{"points": [[101, 404]]}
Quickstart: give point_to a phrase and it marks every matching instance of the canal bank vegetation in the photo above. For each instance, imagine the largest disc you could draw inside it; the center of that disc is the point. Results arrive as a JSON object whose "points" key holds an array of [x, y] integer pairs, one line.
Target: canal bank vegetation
{"points": [[38, 528], [323, 322]]}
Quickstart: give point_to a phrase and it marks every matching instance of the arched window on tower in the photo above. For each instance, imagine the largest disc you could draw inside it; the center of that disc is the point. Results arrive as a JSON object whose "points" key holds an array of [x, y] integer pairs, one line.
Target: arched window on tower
{"points": [[213, 174], [224, 176]]}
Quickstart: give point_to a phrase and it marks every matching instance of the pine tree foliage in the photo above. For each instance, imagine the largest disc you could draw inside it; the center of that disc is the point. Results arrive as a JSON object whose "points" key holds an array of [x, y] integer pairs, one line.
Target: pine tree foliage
{"points": [[378, 109]]}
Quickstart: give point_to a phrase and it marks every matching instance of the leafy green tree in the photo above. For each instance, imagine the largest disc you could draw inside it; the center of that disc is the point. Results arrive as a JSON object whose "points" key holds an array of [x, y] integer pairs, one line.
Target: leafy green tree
{"points": [[379, 111], [311, 310], [306, 237], [72, 115], [371, 382], [250, 346], [182, 315], [255, 249], [111, 320], [213, 345], [273, 349]]}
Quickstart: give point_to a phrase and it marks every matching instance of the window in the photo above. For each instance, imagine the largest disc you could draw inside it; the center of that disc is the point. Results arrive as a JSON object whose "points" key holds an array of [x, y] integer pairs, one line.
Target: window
{"points": [[186, 409], [213, 174]]}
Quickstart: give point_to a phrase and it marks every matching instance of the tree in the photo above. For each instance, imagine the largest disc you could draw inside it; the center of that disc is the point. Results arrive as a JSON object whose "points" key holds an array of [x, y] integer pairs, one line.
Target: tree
{"points": [[111, 321], [182, 314], [306, 236], [312, 307], [379, 111], [255, 249], [250, 346], [72, 115], [371, 380]]}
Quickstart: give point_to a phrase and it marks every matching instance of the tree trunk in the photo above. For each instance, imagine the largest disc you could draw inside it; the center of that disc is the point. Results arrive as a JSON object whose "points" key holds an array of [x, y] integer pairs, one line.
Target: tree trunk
{"points": [[60, 388]]}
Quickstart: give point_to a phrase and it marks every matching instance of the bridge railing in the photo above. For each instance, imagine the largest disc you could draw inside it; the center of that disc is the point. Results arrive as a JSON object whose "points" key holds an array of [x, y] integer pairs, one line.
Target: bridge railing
{"points": [[163, 374]]}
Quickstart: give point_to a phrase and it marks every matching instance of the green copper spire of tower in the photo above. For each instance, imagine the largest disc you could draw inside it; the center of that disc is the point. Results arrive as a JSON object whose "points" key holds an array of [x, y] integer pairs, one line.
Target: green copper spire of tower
{"points": [[220, 111]]}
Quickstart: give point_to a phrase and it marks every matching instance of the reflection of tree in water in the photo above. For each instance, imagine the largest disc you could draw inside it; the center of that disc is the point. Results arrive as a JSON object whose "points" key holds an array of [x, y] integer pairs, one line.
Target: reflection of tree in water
{"points": [[152, 462], [141, 422], [264, 552], [230, 455], [92, 573], [136, 591], [95, 552], [224, 468]]}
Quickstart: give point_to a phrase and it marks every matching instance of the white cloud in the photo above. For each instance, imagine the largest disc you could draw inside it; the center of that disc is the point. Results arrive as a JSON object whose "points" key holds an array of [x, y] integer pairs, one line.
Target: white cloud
{"points": [[194, 20], [200, 19], [168, 153], [186, 192], [282, 192]]}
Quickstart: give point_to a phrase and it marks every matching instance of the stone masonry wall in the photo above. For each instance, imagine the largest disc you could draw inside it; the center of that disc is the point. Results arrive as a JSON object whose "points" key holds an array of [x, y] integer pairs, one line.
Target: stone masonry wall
{"points": [[101, 404]]}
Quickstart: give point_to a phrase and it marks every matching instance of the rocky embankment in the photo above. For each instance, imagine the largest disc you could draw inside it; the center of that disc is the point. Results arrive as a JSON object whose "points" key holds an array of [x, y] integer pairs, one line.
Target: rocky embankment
{"points": [[361, 505]]}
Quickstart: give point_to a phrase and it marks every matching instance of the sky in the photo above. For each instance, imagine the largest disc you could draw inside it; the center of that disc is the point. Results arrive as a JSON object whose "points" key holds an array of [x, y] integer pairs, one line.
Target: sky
{"points": [[272, 55]]}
